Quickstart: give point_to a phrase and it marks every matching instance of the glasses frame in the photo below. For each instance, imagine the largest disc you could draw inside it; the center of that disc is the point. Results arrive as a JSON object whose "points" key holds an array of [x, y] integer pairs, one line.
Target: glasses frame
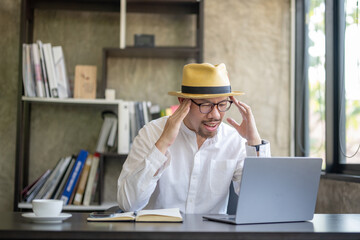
{"points": [[213, 105]]}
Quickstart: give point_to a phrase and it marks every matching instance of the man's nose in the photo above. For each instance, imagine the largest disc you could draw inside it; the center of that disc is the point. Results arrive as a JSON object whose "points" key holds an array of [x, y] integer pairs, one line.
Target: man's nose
{"points": [[215, 113]]}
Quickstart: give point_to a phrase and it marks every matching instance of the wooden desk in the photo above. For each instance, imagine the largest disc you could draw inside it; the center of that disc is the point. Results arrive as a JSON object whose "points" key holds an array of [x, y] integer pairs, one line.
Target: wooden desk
{"points": [[323, 226]]}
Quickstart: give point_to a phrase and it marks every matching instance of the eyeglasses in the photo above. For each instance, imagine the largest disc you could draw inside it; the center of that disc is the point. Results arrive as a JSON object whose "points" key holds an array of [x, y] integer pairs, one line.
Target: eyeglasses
{"points": [[207, 107]]}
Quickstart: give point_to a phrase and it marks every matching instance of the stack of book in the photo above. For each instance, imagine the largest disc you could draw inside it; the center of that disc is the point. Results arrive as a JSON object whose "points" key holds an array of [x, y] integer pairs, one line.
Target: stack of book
{"points": [[132, 116], [73, 180], [44, 71]]}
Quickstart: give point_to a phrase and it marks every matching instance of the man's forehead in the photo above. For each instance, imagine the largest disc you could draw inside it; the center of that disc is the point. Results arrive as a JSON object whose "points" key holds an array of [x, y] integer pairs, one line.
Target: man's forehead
{"points": [[214, 100]]}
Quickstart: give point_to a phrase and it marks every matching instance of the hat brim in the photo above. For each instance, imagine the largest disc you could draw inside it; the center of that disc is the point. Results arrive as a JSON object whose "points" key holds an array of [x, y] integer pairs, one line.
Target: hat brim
{"points": [[204, 96]]}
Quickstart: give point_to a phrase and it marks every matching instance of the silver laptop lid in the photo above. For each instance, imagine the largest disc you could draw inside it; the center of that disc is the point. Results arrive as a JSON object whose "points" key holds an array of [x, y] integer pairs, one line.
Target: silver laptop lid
{"points": [[278, 189]]}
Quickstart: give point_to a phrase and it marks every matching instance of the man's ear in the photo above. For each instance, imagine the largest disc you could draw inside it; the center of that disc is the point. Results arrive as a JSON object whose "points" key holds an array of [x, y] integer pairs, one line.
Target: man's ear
{"points": [[181, 99]]}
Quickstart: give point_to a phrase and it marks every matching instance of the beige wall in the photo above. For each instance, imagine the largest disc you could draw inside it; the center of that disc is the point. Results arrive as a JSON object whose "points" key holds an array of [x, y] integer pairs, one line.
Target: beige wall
{"points": [[251, 37], [9, 60]]}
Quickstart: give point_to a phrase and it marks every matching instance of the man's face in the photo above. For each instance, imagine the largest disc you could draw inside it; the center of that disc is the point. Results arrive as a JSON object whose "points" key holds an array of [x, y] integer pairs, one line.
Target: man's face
{"points": [[205, 125]]}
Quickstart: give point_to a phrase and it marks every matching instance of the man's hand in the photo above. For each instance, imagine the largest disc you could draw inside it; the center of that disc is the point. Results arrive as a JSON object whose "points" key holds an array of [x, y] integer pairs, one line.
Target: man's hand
{"points": [[172, 126], [247, 129]]}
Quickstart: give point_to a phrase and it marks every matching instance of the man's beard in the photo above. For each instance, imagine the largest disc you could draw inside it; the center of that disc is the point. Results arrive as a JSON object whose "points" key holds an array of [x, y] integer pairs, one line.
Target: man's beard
{"points": [[205, 134]]}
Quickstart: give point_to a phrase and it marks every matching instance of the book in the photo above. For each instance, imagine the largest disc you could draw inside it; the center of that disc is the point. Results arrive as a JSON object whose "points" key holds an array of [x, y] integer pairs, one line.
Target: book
{"points": [[154, 111], [132, 121], [50, 69], [95, 191], [57, 178], [124, 128], [29, 85], [145, 112], [113, 133], [74, 176], [29, 188], [106, 129], [61, 73], [71, 200], [83, 180], [39, 83], [139, 115], [85, 82], [64, 179], [47, 185], [36, 188], [43, 68], [157, 215], [91, 179]]}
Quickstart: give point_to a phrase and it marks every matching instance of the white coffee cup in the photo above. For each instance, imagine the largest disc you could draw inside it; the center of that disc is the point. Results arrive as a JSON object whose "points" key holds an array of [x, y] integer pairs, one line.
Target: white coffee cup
{"points": [[47, 207]]}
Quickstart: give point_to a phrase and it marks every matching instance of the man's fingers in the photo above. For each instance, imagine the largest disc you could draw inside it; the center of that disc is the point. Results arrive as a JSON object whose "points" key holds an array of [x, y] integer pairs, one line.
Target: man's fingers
{"points": [[233, 122], [245, 106], [183, 109], [240, 104]]}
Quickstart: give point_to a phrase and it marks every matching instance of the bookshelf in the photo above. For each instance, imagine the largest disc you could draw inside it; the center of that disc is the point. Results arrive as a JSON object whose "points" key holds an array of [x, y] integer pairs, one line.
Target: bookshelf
{"points": [[24, 105], [71, 101]]}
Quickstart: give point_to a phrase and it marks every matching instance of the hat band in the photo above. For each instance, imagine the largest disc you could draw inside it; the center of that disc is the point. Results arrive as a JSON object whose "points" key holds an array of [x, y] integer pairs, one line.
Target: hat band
{"points": [[206, 90]]}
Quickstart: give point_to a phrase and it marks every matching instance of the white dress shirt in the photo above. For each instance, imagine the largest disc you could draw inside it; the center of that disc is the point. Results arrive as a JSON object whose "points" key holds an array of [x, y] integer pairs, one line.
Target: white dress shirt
{"points": [[194, 180]]}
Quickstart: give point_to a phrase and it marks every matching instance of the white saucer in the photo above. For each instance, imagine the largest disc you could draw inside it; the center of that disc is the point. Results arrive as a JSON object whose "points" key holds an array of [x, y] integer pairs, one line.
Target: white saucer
{"points": [[57, 219]]}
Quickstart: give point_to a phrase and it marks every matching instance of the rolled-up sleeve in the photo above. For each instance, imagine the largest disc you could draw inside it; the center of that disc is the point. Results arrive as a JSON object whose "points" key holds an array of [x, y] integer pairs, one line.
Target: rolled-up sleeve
{"points": [[141, 171]]}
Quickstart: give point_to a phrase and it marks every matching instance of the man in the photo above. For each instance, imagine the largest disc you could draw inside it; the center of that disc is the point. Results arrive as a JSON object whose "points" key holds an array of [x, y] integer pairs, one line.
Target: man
{"points": [[189, 159]]}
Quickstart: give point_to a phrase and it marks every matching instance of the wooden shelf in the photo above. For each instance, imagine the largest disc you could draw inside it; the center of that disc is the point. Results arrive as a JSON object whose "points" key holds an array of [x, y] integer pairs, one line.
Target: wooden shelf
{"points": [[132, 6], [99, 101], [152, 52]]}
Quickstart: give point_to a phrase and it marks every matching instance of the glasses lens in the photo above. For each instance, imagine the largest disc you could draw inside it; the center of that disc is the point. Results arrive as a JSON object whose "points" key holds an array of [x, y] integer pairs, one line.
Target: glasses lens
{"points": [[224, 106], [205, 107]]}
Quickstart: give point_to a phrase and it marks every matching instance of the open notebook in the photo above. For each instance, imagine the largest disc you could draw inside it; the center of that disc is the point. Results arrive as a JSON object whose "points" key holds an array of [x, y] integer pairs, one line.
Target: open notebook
{"points": [[157, 215]]}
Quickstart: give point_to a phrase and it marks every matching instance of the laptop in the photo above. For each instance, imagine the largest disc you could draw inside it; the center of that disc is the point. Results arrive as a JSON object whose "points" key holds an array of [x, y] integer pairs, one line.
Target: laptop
{"points": [[275, 189]]}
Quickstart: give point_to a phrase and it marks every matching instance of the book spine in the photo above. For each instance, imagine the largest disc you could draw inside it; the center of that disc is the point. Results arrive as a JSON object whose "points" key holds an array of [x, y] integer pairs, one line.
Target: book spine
{"points": [[27, 73], [61, 74], [43, 69], [141, 114], [104, 134], [24, 71], [132, 120], [124, 128], [50, 68], [71, 183], [145, 111], [94, 192], [30, 186], [91, 179], [113, 132], [57, 178], [83, 179], [40, 89], [50, 180], [61, 187], [38, 186]]}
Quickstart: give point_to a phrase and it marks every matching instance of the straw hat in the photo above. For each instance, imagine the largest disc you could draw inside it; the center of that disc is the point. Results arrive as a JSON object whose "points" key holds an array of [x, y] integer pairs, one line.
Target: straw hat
{"points": [[205, 81]]}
